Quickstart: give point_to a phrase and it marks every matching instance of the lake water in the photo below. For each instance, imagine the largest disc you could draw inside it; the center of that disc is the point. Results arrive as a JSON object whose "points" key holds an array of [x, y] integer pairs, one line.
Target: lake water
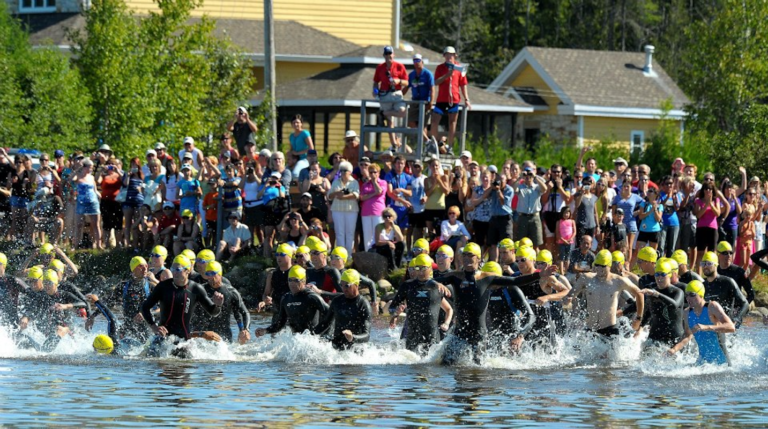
{"points": [[299, 381]]}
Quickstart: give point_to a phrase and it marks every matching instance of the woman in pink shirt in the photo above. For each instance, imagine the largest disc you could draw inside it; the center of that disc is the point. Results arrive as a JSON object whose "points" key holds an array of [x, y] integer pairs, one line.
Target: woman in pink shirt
{"points": [[707, 207], [373, 193]]}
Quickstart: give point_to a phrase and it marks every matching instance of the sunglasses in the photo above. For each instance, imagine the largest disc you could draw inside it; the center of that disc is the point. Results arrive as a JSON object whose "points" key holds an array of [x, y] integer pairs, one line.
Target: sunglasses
{"points": [[661, 274], [521, 260], [347, 285], [156, 255], [726, 253], [335, 258], [417, 269], [178, 269], [601, 266], [691, 294], [442, 256], [212, 273], [465, 254], [294, 280], [706, 264], [280, 255], [202, 261], [387, 216], [751, 194], [540, 263]]}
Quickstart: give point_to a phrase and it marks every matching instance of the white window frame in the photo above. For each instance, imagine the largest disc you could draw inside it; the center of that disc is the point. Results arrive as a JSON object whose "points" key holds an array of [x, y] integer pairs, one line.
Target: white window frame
{"points": [[632, 136], [33, 9]]}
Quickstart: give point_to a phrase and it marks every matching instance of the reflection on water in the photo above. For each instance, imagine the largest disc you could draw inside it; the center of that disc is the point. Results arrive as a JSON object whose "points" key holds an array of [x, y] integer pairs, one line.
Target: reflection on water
{"points": [[297, 381]]}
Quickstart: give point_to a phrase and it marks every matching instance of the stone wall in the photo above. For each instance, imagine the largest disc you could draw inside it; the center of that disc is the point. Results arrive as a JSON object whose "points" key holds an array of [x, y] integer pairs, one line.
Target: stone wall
{"points": [[558, 127]]}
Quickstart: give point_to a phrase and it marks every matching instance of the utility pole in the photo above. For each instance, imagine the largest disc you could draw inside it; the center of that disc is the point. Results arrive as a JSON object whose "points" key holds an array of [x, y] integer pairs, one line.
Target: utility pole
{"points": [[269, 70]]}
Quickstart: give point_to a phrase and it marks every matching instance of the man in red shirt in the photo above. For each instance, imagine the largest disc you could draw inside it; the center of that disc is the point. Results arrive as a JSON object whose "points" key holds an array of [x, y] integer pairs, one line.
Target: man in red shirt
{"points": [[450, 78], [388, 81], [166, 225]]}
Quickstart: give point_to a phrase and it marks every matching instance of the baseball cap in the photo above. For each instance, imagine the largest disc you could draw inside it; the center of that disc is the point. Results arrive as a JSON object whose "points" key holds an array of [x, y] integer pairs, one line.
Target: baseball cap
{"points": [[492, 168], [188, 155], [449, 50], [306, 194], [473, 162], [87, 162], [168, 204], [151, 152], [58, 153], [620, 160], [365, 159], [418, 162], [234, 214], [417, 58], [227, 154], [105, 147], [388, 50], [350, 134], [266, 153], [466, 153], [275, 174], [189, 140], [620, 211], [159, 146]]}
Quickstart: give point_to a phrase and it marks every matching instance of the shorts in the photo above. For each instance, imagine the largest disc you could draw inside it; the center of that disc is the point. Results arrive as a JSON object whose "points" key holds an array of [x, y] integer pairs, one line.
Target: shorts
{"points": [[210, 226], [436, 216], [112, 216], [550, 223], [443, 108], [565, 252], [687, 236], [631, 227], [706, 238], [402, 215], [88, 209], [413, 114], [481, 232], [500, 228], [648, 237], [608, 332], [530, 226], [19, 202], [253, 216], [391, 101], [417, 220], [453, 241]]}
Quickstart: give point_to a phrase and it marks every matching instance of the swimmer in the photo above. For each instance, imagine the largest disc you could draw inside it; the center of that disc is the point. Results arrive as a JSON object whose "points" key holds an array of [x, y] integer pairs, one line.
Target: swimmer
{"points": [[301, 309], [338, 260], [685, 274], [301, 257], [507, 256], [349, 315], [233, 306], [117, 344], [666, 307], [707, 323], [157, 270], [602, 289], [201, 260], [727, 268], [276, 286], [513, 319], [11, 291], [322, 276], [444, 260], [723, 289], [543, 260]]}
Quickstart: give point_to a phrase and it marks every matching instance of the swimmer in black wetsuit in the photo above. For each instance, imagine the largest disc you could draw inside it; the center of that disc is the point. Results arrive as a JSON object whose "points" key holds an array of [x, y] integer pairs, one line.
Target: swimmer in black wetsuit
{"points": [[233, 306], [507, 257], [202, 259], [666, 307], [646, 260], [543, 260], [178, 298], [723, 290], [727, 268], [338, 260], [157, 270], [277, 280], [472, 293], [11, 290], [350, 314], [506, 332], [685, 274], [302, 309], [425, 300], [322, 275], [120, 344]]}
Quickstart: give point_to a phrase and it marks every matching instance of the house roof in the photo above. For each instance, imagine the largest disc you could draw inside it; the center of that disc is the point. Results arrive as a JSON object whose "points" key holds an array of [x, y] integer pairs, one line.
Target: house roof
{"points": [[596, 78], [373, 54], [291, 38], [348, 86]]}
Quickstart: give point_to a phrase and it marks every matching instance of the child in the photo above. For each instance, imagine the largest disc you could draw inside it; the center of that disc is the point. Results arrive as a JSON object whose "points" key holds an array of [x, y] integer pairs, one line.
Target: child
{"points": [[211, 207], [747, 233], [618, 235], [564, 235]]}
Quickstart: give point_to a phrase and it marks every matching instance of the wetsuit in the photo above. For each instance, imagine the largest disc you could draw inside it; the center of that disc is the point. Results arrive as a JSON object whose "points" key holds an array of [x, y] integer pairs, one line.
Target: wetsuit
{"points": [[423, 314], [279, 289], [302, 312], [739, 275], [11, 290], [120, 346], [177, 305], [472, 297], [326, 278], [647, 281], [542, 329], [353, 314], [233, 306], [726, 292], [666, 315], [68, 286], [369, 284], [47, 319], [130, 295], [711, 344], [688, 276], [556, 310]]}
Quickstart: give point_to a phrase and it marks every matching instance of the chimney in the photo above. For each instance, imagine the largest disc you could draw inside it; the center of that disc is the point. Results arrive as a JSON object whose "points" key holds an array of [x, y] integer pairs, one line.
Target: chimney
{"points": [[648, 68]]}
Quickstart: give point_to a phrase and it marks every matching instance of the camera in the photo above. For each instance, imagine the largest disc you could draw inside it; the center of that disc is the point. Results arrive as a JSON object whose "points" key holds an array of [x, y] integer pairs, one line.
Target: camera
{"points": [[457, 174], [345, 191], [496, 183], [249, 170]]}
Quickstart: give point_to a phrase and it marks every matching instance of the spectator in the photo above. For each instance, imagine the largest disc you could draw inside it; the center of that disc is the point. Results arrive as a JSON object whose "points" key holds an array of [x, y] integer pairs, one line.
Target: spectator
{"points": [[453, 232], [21, 181], [301, 143], [388, 80], [169, 185], [234, 240], [87, 205], [317, 187], [162, 155], [335, 160], [372, 195], [274, 204], [152, 192], [529, 206], [226, 149], [436, 186], [189, 192], [730, 222], [45, 216], [688, 217], [628, 202], [144, 228], [312, 159], [422, 83], [650, 214], [582, 259], [565, 235], [388, 240], [277, 165], [253, 215], [351, 150], [133, 181], [242, 128], [397, 191], [315, 231], [344, 194], [167, 224], [187, 234], [307, 211], [292, 229], [191, 151], [232, 197], [751, 211], [620, 167], [151, 156], [691, 170], [591, 168], [481, 208], [644, 171], [211, 207], [586, 209], [670, 200], [451, 78], [110, 179], [418, 197], [501, 226], [708, 206], [466, 158], [552, 203], [457, 195]]}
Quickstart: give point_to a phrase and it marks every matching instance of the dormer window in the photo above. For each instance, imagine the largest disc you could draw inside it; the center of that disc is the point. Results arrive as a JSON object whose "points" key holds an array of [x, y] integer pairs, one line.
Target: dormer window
{"points": [[37, 6]]}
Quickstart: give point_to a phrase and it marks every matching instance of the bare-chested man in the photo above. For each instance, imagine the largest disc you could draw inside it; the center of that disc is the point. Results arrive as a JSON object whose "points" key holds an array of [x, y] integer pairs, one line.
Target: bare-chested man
{"points": [[602, 289]]}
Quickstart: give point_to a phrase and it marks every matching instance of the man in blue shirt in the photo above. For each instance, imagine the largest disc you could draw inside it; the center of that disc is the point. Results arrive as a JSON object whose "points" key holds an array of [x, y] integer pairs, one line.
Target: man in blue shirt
{"points": [[501, 212], [421, 82], [398, 193]]}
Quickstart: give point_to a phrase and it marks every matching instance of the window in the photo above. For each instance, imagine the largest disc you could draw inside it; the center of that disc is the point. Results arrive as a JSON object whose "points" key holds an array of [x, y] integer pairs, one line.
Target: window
{"points": [[636, 141], [37, 6]]}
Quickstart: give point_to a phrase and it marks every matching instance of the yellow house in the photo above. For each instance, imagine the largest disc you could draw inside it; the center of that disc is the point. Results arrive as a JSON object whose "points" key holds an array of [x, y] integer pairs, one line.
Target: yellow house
{"points": [[585, 96]]}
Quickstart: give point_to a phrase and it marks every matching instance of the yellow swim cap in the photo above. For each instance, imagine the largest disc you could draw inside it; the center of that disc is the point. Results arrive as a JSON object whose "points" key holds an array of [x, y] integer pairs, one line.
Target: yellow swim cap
{"points": [[696, 287], [35, 273], [491, 267], [422, 260], [474, 249], [445, 250], [189, 254], [680, 257], [422, 244], [647, 254], [103, 344], [302, 250], [160, 250], [710, 257], [3, 259], [618, 257], [506, 243], [544, 256], [51, 276], [525, 241], [206, 255], [351, 277], [526, 252], [341, 252], [187, 213], [724, 246], [182, 260], [57, 265], [213, 267], [317, 245], [672, 263], [46, 249], [604, 258], [663, 267], [286, 249], [136, 261], [297, 272]]}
